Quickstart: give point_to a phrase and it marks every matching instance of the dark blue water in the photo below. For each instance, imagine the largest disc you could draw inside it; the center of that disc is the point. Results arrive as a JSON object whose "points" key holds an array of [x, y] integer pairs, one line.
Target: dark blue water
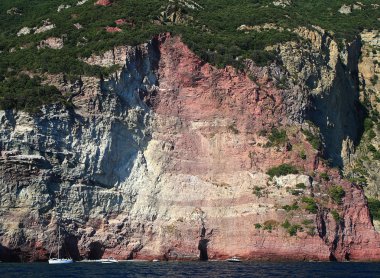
{"points": [[191, 269]]}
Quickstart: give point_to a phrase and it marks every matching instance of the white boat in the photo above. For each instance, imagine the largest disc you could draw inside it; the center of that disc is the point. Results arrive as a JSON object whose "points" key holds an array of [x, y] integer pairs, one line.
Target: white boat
{"points": [[60, 260], [234, 260], [108, 261]]}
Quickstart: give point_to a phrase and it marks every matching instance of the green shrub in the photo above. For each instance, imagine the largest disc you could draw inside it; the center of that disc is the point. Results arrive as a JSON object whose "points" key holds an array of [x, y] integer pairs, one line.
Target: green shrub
{"points": [[277, 137], [294, 229], [374, 208], [303, 155], [28, 94], [262, 57], [301, 186], [374, 79], [336, 193], [258, 226], [371, 134], [282, 170], [361, 180], [313, 139], [311, 205], [376, 155], [372, 149], [286, 224], [336, 215], [324, 176], [295, 192], [288, 208], [368, 124], [307, 222], [257, 191], [282, 83]]}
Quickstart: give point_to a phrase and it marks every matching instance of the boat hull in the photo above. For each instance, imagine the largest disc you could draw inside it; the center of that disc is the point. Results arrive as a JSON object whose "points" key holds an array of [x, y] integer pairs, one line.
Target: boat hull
{"points": [[108, 261], [60, 261]]}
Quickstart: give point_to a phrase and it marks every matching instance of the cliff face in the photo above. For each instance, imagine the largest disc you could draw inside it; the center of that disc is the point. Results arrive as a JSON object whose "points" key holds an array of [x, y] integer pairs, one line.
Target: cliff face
{"points": [[329, 77], [365, 163], [167, 146]]}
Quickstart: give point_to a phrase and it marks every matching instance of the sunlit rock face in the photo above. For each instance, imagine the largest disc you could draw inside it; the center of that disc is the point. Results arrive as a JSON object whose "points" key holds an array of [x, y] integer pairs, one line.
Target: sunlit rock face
{"points": [[168, 159]]}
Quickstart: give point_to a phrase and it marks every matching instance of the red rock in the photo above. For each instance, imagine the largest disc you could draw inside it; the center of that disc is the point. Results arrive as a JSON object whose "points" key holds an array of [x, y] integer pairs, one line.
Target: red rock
{"points": [[104, 3], [124, 21], [120, 21], [113, 29]]}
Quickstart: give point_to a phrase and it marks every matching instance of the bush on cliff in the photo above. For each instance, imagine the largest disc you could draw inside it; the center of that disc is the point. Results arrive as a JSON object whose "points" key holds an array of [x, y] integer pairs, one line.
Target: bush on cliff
{"points": [[311, 204], [336, 193], [282, 170], [277, 137], [27, 94], [288, 208], [291, 228], [313, 139], [374, 208], [336, 215]]}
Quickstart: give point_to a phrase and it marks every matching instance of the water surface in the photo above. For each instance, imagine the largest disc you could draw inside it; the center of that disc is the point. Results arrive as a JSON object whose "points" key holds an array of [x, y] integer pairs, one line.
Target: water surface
{"points": [[191, 269]]}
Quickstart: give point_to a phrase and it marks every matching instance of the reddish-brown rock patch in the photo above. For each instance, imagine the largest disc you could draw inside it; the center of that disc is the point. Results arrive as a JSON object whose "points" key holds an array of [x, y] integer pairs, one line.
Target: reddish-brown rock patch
{"points": [[124, 21], [113, 29], [104, 3]]}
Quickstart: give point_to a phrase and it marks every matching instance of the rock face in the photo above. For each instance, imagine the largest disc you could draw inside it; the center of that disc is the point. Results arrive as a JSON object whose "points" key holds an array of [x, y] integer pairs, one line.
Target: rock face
{"points": [[345, 9], [329, 77], [365, 162], [103, 3], [52, 42], [167, 159], [282, 3]]}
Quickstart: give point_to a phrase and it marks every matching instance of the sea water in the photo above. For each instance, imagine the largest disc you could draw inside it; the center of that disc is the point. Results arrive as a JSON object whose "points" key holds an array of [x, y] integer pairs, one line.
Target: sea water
{"points": [[190, 269]]}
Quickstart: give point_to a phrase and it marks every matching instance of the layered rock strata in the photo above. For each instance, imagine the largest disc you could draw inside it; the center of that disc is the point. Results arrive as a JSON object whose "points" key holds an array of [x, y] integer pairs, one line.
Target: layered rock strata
{"points": [[170, 156]]}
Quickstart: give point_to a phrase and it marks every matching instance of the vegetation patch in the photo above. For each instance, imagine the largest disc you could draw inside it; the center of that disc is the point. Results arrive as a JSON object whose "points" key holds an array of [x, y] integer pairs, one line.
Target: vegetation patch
{"points": [[311, 204], [303, 155], [258, 191], [307, 222], [282, 170], [27, 94], [374, 208], [336, 216], [288, 208], [324, 176], [210, 30], [301, 185], [277, 137], [375, 153], [313, 139], [269, 225], [337, 193], [291, 228]]}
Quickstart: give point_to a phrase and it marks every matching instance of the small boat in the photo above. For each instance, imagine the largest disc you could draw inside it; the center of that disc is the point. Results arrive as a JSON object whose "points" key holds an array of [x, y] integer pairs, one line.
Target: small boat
{"points": [[155, 260], [234, 259], [59, 260], [108, 261]]}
